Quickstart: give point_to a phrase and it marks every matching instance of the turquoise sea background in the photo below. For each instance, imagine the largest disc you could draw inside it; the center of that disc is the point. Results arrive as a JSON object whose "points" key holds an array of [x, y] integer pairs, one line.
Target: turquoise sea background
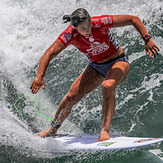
{"points": [[27, 29]]}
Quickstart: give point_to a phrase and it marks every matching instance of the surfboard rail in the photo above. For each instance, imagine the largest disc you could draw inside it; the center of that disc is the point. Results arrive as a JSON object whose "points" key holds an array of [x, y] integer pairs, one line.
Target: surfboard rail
{"points": [[90, 142]]}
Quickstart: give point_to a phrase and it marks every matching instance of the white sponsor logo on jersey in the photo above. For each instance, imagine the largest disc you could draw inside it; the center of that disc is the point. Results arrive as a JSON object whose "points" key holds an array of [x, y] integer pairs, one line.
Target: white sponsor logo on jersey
{"points": [[97, 48], [91, 39]]}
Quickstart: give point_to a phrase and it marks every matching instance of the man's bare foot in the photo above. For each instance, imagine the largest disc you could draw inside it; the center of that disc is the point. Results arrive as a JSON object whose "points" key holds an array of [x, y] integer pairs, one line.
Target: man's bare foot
{"points": [[103, 136], [47, 132]]}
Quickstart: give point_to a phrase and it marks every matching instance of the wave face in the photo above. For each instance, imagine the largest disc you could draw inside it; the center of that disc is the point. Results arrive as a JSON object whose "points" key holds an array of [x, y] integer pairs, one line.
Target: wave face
{"points": [[27, 29]]}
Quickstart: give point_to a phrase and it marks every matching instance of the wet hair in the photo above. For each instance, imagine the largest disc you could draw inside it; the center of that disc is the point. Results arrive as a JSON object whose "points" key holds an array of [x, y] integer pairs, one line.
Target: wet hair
{"points": [[77, 17]]}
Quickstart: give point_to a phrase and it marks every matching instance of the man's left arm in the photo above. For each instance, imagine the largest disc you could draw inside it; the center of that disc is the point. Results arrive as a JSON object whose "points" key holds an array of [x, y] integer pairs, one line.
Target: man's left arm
{"points": [[124, 20]]}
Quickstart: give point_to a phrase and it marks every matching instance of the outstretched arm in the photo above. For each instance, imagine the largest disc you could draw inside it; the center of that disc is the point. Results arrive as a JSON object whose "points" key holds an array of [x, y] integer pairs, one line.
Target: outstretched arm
{"points": [[50, 53], [123, 20]]}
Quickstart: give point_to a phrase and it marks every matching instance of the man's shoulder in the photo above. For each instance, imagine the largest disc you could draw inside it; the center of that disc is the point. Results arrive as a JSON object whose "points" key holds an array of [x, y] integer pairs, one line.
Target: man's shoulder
{"points": [[102, 20], [69, 34]]}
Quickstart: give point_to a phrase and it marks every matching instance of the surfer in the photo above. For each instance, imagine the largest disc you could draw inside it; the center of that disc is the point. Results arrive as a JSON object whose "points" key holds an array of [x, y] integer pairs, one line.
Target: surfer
{"points": [[107, 65]]}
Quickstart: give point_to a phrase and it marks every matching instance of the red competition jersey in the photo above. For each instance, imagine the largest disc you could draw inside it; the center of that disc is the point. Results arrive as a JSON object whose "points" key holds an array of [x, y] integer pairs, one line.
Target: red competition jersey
{"points": [[99, 45]]}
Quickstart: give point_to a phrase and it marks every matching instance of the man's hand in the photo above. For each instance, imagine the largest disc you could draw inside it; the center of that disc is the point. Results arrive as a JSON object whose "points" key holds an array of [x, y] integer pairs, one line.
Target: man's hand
{"points": [[36, 84], [151, 48]]}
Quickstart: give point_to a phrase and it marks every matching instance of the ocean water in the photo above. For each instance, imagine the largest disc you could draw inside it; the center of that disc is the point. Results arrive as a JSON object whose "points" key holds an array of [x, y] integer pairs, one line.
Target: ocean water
{"points": [[27, 29]]}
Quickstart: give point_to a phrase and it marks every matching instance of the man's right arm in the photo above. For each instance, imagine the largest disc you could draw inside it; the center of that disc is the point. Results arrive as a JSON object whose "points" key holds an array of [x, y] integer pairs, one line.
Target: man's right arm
{"points": [[50, 53]]}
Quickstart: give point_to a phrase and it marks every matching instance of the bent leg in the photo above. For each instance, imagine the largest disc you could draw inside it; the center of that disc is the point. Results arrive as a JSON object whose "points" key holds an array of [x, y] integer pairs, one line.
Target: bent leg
{"points": [[84, 84], [116, 74]]}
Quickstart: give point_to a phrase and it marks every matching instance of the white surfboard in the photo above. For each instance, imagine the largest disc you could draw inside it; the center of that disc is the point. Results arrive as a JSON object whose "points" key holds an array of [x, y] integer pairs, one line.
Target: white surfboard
{"points": [[90, 142]]}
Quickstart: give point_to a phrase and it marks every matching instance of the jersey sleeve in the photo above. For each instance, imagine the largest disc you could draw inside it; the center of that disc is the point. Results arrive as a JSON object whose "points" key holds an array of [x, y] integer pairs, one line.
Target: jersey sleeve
{"points": [[66, 37], [103, 21]]}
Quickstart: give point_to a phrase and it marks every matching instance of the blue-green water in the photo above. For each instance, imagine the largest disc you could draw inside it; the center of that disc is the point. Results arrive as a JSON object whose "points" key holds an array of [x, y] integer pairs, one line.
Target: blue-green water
{"points": [[27, 29]]}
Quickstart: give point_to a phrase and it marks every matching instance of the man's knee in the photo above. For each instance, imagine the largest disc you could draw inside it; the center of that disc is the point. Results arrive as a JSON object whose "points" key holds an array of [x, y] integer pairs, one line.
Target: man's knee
{"points": [[73, 98], [108, 87]]}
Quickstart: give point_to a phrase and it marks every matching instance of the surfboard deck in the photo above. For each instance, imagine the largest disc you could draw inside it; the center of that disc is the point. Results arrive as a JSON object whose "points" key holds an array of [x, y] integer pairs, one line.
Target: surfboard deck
{"points": [[90, 142]]}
